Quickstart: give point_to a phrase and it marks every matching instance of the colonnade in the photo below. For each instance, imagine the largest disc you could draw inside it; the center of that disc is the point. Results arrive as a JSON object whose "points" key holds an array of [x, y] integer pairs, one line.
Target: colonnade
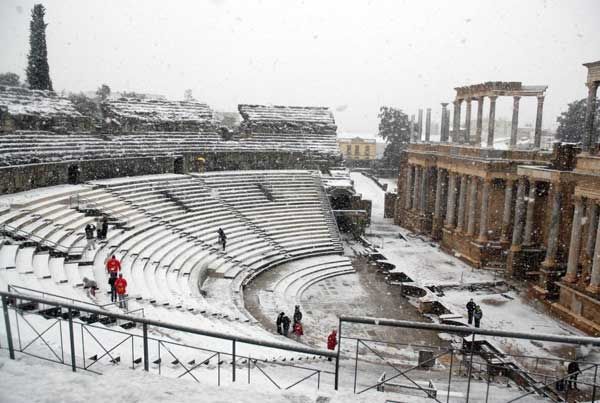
{"points": [[466, 138], [585, 213]]}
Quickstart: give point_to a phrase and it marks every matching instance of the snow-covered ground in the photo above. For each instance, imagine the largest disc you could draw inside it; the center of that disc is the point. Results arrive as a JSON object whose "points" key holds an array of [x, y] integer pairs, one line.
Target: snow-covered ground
{"points": [[427, 265]]}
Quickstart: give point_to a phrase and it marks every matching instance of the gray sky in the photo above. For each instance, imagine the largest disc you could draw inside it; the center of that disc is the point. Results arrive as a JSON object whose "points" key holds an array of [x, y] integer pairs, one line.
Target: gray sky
{"points": [[353, 56]]}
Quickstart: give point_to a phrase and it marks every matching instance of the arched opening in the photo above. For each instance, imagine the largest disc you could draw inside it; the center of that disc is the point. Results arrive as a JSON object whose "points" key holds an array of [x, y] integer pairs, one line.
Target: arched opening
{"points": [[73, 174]]}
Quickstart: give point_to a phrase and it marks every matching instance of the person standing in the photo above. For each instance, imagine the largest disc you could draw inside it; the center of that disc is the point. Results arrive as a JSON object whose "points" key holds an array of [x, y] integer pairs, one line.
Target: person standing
{"points": [[89, 236], [477, 315], [121, 288], [222, 237], [279, 322], [331, 342], [573, 370], [285, 323], [113, 266], [470, 309], [297, 314], [103, 228]]}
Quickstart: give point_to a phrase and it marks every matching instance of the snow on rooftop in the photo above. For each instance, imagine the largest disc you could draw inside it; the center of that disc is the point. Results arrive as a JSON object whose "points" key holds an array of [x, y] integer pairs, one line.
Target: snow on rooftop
{"points": [[19, 101]]}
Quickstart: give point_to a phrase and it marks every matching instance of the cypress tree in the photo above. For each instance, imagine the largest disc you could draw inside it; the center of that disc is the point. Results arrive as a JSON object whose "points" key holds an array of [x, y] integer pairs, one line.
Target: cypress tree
{"points": [[38, 71]]}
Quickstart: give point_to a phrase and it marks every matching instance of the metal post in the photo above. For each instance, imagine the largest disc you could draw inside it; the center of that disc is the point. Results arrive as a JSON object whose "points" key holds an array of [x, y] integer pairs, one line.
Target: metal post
{"points": [[233, 360], [594, 387], [470, 368], [356, 365], [337, 358], [72, 341], [11, 350], [450, 375], [248, 369], [145, 342], [218, 369], [487, 390]]}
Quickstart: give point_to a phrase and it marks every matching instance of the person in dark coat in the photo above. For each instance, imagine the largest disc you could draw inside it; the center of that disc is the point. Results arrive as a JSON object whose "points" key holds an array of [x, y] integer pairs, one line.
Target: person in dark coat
{"points": [[297, 314], [477, 315], [103, 228], [573, 369], [470, 309], [285, 323], [222, 237], [279, 322]]}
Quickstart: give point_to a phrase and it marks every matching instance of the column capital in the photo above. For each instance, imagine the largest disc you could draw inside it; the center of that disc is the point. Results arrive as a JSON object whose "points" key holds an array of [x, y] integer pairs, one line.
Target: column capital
{"points": [[516, 97], [593, 85], [540, 99], [493, 98], [444, 104], [458, 101]]}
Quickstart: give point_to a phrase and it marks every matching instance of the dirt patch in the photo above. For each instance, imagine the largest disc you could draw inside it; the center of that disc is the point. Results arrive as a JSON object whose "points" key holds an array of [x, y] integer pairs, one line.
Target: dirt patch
{"points": [[493, 302]]}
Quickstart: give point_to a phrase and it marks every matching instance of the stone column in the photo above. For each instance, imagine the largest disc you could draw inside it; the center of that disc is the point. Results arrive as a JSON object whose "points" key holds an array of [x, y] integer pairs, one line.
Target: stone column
{"points": [[467, 136], [417, 188], [439, 188], [515, 122], [451, 205], [424, 186], [420, 124], [428, 125], [492, 121], [479, 126], [456, 137], [538, 122], [517, 237], [483, 220], [471, 206], [595, 278], [574, 246], [529, 214], [589, 139], [443, 125], [462, 198], [552, 246], [592, 223], [506, 214], [409, 185]]}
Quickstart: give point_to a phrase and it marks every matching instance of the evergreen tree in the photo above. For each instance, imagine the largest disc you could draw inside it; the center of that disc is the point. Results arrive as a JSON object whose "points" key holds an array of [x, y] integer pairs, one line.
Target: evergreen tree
{"points": [[38, 71], [394, 128], [571, 123]]}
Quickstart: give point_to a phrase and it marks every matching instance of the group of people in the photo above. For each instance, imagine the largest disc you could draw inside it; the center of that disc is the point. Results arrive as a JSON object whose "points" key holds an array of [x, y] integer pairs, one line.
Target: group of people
{"points": [[118, 284], [283, 323], [101, 233], [474, 313]]}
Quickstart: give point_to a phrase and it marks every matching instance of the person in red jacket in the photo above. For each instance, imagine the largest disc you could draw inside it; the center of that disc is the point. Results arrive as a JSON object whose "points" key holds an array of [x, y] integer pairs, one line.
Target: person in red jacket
{"points": [[121, 288], [332, 342], [298, 330], [113, 266]]}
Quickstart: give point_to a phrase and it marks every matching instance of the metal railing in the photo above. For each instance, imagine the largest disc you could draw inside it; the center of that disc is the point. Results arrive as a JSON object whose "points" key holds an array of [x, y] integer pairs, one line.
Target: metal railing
{"points": [[464, 367], [75, 201], [112, 346], [42, 241], [74, 301]]}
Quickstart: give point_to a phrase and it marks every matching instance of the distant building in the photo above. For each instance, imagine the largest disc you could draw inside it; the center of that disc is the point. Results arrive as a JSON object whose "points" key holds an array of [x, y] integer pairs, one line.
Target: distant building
{"points": [[23, 109], [358, 148]]}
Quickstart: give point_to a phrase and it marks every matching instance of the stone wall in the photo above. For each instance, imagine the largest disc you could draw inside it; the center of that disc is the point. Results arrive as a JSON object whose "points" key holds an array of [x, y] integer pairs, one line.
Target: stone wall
{"points": [[26, 177]]}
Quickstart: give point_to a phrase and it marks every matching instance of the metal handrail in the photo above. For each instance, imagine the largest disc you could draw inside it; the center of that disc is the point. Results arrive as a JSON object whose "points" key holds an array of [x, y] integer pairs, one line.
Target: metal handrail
{"points": [[40, 240], [95, 205], [73, 300], [173, 326]]}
